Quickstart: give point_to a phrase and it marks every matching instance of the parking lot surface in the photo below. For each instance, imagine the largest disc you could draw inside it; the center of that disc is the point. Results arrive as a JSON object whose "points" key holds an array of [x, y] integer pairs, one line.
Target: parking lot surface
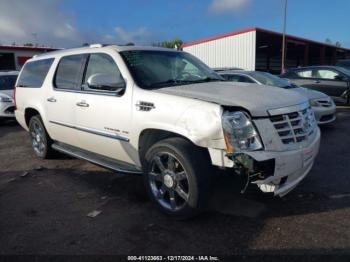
{"points": [[44, 207]]}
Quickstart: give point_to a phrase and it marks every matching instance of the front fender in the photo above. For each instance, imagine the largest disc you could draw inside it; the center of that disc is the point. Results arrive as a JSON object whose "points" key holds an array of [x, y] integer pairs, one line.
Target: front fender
{"points": [[202, 125]]}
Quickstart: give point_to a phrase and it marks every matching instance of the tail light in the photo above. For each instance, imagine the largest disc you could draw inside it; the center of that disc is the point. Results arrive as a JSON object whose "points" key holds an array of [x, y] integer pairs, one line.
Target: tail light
{"points": [[14, 97]]}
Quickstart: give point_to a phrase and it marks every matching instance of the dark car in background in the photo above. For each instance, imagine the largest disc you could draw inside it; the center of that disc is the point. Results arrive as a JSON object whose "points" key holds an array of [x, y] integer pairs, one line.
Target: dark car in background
{"points": [[322, 105], [331, 80], [344, 63], [7, 84]]}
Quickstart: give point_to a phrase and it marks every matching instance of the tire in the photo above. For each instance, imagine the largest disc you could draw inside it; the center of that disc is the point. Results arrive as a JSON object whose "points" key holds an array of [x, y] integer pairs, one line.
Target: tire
{"points": [[41, 141], [177, 175]]}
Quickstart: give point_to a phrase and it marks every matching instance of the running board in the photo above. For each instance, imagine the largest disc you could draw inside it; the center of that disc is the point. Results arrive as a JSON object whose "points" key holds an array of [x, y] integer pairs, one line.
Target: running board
{"points": [[96, 159]]}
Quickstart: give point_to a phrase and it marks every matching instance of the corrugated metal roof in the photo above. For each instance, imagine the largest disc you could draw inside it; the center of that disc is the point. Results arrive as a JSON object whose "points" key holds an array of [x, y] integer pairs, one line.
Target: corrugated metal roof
{"points": [[257, 29]]}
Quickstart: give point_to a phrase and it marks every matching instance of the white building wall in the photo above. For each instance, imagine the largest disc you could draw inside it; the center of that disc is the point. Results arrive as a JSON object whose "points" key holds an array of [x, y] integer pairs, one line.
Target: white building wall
{"points": [[232, 51]]}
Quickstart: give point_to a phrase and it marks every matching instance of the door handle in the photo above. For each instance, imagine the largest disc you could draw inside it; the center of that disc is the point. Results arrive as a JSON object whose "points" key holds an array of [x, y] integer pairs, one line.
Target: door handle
{"points": [[317, 81], [52, 100], [82, 104]]}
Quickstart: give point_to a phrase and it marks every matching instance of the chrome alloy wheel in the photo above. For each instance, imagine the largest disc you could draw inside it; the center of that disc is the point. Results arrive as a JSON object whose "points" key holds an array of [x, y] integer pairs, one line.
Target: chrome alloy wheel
{"points": [[38, 138], [169, 181]]}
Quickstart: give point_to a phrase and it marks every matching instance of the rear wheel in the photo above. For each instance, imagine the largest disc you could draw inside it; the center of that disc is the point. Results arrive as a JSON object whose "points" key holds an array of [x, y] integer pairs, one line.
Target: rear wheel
{"points": [[41, 142], [177, 177]]}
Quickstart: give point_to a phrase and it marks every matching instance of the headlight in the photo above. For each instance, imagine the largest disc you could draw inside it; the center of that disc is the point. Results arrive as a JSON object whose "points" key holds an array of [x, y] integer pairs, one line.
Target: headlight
{"points": [[314, 102], [5, 99], [240, 133]]}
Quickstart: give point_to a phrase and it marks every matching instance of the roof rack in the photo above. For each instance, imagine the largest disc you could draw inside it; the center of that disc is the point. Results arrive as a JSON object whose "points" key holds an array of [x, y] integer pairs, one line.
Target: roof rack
{"points": [[96, 45]]}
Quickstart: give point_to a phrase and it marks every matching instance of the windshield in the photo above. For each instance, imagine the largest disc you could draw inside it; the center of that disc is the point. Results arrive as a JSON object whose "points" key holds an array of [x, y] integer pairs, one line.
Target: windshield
{"points": [[157, 69], [271, 80], [7, 82], [344, 70], [345, 64]]}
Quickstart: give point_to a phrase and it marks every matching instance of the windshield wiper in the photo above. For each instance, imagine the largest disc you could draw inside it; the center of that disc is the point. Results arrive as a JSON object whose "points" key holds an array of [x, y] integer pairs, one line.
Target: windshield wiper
{"points": [[207, 79], [170, 82]]}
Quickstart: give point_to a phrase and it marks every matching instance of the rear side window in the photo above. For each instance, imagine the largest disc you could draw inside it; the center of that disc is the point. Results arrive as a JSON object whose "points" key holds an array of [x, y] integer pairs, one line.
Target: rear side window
{"points": [[7, 82], [34, 73], [238, 78], [305, 73], [69, 72]]}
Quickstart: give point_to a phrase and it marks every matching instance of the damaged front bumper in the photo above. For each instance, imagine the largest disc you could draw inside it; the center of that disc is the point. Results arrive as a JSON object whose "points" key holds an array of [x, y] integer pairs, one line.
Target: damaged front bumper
{"points": [[279, 172]]}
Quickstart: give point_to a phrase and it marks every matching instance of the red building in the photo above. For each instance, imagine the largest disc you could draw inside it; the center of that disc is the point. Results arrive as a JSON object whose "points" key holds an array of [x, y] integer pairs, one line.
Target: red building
{"points": [[13, 57]]}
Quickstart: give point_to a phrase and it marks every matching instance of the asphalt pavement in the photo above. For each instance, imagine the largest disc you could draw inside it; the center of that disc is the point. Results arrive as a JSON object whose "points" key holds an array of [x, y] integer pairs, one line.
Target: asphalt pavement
{"points": [[68, 206]]}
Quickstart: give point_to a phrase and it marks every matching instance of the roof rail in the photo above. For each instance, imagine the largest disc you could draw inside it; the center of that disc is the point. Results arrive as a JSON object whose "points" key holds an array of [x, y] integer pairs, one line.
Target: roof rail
{"points": [[95, 45]]}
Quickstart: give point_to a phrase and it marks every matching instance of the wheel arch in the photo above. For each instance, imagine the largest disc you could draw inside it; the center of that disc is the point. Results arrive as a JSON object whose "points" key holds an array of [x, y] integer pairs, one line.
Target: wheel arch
{"points": [[150, 136], [29, 112]]}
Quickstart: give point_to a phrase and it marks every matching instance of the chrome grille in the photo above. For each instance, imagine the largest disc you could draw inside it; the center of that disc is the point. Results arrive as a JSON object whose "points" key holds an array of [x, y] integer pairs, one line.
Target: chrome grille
{"points": [[294, 127]]}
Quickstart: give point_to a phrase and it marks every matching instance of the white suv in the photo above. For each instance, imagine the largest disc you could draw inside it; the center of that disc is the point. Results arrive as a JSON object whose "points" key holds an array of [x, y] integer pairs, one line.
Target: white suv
{"points": [[164, 114], [7, 84]]}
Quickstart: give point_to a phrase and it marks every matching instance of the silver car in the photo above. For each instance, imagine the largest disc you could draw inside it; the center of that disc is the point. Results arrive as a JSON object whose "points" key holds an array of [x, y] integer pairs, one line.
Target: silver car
{"points": [[7, 84], [322, 104]]}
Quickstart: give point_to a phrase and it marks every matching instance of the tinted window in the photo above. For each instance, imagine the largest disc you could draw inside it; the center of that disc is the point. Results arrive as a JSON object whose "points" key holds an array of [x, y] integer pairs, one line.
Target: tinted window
{"points": [[344, 71], [238, 78], [101, 64], [246, 79], [234, 78], [7, 82], [269, 79], [68, 74], [34, 73], [344, 63], [157, 69]]}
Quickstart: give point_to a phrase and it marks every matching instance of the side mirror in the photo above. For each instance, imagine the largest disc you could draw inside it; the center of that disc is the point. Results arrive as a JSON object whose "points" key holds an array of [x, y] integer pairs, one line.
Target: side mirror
{"points": [[339, 78], [106, 82]]}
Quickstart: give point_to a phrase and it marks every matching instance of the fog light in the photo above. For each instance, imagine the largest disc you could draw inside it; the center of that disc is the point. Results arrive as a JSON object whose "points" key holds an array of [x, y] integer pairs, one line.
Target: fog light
{"points": [[267, 188]]}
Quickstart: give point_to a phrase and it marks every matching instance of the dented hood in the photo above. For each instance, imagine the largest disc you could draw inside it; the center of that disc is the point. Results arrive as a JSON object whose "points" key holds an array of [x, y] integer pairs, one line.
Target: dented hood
{"points": [[252, 97]]}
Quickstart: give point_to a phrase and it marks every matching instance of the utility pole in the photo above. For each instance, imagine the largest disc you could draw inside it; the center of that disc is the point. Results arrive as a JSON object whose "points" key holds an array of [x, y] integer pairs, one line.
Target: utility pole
{"points": [[284, 37]]}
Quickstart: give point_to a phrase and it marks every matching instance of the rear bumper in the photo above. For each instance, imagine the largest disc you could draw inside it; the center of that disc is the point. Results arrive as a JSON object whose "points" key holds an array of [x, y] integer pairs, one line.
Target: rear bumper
{"points": [[325, 115], [21, 119], [291, 167]]}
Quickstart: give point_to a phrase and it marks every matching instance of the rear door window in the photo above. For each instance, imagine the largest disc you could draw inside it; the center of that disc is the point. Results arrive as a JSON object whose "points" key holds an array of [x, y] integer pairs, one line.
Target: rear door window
{"points": [[69, 72], [305, 73], [7, 82], [34, 73]]}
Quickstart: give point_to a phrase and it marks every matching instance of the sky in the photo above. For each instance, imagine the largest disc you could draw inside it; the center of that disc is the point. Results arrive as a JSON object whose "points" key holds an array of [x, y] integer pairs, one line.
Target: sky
{"points": [[70, 23]]}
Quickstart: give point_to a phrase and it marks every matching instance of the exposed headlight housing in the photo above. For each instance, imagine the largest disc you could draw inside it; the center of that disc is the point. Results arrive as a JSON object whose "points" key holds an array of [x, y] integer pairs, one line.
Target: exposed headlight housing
{"points": [[240, 133], [5, 99], [314, 103]]}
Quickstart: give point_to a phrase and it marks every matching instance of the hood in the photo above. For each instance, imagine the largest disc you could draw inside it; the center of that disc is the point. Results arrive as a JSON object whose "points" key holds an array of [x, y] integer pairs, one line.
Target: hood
{"points": [[252, 97], [8, 93], [310, 94]]}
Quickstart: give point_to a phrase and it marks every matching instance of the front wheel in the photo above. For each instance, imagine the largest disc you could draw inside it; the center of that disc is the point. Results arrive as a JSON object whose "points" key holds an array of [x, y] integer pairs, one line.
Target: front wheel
{"points": [[177, 177]]}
